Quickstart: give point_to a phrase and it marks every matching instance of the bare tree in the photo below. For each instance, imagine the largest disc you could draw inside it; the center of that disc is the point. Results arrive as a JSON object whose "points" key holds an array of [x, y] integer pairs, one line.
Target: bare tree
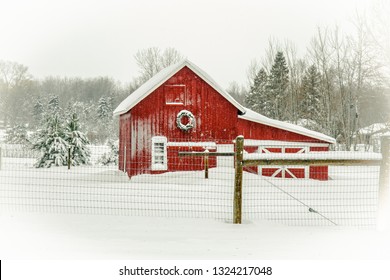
{"points": [[14, 79], [13, 74], [170, 56], [378, 27], [251, 72], [344, 70], [274, 46], [320, 54], [152, 60], [237, 92], [296, 68]]}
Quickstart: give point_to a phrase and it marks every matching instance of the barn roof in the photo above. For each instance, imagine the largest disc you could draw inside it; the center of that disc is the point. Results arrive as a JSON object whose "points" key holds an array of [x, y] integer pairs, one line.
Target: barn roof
{"points": [[258, 118], [153, 83]]}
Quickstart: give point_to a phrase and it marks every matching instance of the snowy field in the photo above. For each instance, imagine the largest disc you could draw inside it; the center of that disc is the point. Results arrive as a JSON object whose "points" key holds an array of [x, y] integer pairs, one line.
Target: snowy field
{"points": [[97, 212], [349, 198], [70, 236]]}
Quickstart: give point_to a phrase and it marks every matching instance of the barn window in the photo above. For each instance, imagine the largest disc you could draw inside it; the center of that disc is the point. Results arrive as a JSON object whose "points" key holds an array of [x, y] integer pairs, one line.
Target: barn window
{"points": [[159, 153], [175, 94]]}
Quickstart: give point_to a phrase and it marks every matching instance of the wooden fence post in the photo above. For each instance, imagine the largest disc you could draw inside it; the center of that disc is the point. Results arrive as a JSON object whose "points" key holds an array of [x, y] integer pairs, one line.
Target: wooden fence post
{"points": [[124, 159], [384, 184], [237, 204], [68, 158], [206, 165]]}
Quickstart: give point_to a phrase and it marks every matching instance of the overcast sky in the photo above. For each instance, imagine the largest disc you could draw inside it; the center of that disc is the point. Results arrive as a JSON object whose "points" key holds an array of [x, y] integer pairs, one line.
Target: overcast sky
{"points": [[90, 38]]}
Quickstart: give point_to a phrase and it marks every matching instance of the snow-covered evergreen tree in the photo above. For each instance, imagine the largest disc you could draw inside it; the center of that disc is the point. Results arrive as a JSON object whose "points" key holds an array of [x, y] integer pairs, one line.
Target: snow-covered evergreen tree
{"points": [[104, 109], [38, 111], [112, 156], [17, 135], [311, 105], [51, 143], [104, 114], [278, 83], [54, 104], [258, 98], [77, 141]]}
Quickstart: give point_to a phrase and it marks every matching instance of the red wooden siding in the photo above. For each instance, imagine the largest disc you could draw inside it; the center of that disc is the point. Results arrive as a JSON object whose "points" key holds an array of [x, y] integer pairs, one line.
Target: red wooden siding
{"points": [[253, 130], [216, 119], [319, 172], [188, 163]]}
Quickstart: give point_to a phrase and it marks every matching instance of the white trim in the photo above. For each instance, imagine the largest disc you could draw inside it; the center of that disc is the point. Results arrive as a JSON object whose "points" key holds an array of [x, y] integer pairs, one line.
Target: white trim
{"points": [[273, 143], [206, 145], [285, 168], [156, 164], [174, 103], [337, 155], [176, 85]]}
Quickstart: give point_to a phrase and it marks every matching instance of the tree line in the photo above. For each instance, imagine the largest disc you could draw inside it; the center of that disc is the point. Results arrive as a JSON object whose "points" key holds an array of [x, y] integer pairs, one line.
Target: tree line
{"points": [[340, 84], [60, 116], [27, 102]]}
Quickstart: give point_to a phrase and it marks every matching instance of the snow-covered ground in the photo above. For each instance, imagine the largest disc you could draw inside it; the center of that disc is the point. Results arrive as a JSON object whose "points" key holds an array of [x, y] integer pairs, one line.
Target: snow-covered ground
{"points": [[71, 236], [97, 212], [348, 199]]}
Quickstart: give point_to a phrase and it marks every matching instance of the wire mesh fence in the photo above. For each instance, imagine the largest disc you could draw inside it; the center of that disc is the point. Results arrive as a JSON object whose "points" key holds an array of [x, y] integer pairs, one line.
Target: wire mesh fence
{"points": [[348, 198], [161, 183]]}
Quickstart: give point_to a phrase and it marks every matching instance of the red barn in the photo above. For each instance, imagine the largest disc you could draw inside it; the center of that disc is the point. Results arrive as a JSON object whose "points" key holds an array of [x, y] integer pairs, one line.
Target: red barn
{"points": [[183, 109]]}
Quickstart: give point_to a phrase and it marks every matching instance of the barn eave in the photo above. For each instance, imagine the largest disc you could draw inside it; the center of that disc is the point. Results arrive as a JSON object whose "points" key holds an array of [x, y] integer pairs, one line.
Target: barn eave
{"points": [[258, 118]]}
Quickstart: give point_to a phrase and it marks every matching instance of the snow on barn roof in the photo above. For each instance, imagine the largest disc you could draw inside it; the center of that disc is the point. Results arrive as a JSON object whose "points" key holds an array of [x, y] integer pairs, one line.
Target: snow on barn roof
{"points": [[258, 118], [157, 80], [161, 77]]}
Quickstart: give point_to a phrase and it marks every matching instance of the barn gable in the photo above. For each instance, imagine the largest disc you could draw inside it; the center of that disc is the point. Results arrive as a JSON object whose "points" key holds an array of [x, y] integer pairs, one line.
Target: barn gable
{"points": [[161, 77]]}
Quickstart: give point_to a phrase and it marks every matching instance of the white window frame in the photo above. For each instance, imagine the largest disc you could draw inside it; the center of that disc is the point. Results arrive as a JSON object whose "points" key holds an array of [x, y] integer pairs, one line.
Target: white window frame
{"points": [[159, 166], [175, 102]]}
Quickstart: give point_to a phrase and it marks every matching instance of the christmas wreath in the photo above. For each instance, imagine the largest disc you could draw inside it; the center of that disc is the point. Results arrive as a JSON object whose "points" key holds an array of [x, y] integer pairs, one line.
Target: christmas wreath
{"points": [[189, 116]]}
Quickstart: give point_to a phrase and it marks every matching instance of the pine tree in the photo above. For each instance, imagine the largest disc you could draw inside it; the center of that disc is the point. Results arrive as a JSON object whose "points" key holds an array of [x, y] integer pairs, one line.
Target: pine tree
{"points": [[38, 111], [77, 141], [104, 109], [51, 143], [278, 83], [17, 135], [311, 105], [54, 104], [104, 114], [258, 98], [38, 107]]}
